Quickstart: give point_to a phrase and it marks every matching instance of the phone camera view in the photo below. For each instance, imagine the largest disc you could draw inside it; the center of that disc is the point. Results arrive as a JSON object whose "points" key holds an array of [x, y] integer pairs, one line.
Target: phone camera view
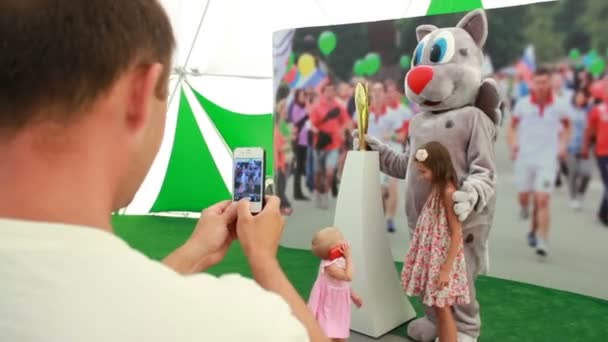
{"points": [[248, 179]]}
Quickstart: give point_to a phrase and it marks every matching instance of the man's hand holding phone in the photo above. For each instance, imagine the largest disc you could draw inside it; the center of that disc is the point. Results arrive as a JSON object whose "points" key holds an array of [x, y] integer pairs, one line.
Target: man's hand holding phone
{"points": [[259, 235], [209, 242]]}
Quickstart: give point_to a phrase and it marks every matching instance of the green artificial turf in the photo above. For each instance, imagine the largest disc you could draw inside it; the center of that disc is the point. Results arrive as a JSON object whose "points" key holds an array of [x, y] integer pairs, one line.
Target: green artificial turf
{"points": [[511, 311]]}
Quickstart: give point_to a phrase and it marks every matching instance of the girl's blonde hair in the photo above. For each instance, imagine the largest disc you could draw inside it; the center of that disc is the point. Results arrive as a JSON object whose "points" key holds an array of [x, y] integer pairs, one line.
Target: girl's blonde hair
{"points": [[324, 240]]}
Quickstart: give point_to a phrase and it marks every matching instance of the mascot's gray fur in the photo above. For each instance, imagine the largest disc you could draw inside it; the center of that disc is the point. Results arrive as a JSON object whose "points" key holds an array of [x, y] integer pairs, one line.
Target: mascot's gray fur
{"points": [[461, 111]]}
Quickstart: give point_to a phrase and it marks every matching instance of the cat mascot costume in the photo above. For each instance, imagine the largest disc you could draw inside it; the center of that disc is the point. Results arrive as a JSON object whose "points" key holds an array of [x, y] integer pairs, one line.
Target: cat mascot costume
{"points": [[461, 111]]}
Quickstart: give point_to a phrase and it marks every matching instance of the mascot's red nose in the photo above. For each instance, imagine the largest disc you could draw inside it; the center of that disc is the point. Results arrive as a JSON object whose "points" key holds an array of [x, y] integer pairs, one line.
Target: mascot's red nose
{"points": [[419, 77]]}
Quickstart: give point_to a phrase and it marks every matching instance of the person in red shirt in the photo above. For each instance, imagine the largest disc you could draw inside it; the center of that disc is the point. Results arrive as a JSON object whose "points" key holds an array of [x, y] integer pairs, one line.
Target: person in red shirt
{"points": [[597, 130], [329, 121]]}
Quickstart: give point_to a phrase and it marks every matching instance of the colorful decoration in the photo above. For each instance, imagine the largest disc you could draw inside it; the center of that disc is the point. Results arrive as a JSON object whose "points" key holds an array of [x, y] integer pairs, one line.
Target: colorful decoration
{"points": [[359, 67], [306, 64], [405, 61], [597, 67], [372, 63], [327, 42], [575, 54], [291, 61]]}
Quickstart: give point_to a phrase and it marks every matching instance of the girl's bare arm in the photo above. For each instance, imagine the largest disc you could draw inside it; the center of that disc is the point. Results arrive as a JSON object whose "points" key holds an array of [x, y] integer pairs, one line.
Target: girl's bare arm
{"points": [[454, 226], [345, 274]]}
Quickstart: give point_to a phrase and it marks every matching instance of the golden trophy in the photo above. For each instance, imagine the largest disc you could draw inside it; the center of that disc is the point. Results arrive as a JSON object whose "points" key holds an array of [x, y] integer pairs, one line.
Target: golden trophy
{"points": [[360, 216], [362, 105]]}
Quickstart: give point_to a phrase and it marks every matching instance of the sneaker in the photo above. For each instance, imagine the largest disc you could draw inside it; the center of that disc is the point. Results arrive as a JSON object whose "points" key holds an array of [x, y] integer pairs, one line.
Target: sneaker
{"points": [[390, 225], [541, 248], [324, 201], [524, 213], [532, 240], [318, 200]]}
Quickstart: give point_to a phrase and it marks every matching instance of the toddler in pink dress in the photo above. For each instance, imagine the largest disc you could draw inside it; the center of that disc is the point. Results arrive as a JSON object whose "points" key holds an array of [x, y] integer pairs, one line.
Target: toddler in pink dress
{"points": [[331, 296], [434, 266]]}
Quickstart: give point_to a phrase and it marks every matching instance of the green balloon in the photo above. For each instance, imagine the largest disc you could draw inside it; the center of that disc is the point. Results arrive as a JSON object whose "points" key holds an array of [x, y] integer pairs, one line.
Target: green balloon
{"points": [[593, 54], [292, 60], [575, 54], [359, 67], [327, 42], [372, 63], [405, 61], [597, 67]]}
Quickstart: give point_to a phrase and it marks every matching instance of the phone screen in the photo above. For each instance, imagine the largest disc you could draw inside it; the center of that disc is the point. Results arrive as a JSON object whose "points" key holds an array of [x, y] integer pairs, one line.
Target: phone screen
{"points": [[248, 179]]}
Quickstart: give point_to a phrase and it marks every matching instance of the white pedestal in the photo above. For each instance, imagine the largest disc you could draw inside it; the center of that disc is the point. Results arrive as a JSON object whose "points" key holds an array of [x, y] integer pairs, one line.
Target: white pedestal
{"points": [[359, 215]]}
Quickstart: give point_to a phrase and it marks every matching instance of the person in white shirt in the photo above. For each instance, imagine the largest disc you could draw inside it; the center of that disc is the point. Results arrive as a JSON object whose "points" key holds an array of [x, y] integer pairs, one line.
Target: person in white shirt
{"points": [[80, 125], [538, 136]]}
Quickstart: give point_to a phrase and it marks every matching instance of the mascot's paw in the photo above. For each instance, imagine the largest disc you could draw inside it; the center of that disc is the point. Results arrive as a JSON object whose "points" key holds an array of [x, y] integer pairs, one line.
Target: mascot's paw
{"points": [[372, 143], [464, 201], [422, 330]]}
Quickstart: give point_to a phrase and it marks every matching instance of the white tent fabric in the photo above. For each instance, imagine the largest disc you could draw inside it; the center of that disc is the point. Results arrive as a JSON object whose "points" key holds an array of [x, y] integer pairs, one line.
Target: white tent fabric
{"points": [[229, 44]]}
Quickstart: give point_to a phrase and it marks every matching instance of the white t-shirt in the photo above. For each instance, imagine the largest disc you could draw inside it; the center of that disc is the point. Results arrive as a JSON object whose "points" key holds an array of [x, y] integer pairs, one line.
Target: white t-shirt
{"points": [[538, 131], [381, 126], [65, 283]]}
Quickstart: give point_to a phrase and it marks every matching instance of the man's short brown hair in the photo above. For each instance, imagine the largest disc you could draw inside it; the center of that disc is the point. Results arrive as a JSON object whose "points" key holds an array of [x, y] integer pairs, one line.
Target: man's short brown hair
{"points": [[63, 54]]}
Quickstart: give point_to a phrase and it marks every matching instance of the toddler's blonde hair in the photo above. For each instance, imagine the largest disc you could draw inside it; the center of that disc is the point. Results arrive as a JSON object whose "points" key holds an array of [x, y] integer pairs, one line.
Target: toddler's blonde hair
{"points": [[324, 240]]}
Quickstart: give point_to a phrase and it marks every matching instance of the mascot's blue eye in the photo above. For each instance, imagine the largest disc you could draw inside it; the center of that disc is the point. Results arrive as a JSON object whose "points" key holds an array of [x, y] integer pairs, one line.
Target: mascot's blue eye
{"points": [[438, 50], [418, 54]]}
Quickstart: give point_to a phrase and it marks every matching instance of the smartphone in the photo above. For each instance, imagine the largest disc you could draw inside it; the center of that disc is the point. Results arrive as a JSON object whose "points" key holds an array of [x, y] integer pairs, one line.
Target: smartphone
{"points": [[249, 174]]}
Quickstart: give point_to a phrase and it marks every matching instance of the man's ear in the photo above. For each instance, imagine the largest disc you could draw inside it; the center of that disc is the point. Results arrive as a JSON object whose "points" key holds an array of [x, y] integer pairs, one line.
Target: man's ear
{"points": [[476, 24], [424, 30], [143, 90]]}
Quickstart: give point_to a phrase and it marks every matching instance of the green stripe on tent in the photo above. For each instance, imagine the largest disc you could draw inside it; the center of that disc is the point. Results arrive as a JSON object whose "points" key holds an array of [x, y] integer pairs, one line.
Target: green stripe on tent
{"points": [[453, 6], [192, 182], [241, 130]]}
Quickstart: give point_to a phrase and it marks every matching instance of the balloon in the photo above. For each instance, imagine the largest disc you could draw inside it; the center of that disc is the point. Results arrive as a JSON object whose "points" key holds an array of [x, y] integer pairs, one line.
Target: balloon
{"points": [[597, 67], [593, 53], [587, 60], [291, 75], [359, 67], [306, 64], [575, 54], [405, 61], [327, 42], [372, 63], [291, 61]]}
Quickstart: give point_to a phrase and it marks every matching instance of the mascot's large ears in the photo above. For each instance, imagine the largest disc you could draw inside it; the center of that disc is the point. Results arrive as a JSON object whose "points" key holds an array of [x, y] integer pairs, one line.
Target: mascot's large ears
{"points": [[423, 30], [476, 24]]}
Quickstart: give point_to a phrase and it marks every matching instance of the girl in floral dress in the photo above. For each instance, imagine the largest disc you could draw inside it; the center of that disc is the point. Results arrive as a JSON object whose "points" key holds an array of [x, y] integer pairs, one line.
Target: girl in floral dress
{"points": [[434, 266]]}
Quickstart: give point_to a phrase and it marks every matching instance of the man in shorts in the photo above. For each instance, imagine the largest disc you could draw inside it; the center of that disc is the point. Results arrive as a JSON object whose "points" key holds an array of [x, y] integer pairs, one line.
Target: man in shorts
{"points": [[538, 136], [329, 121]]}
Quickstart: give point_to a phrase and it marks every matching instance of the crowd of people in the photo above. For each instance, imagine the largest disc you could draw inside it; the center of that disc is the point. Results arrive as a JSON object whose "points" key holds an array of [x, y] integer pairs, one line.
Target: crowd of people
{"points": [[248, 179], [313, 129], [557, 118]]}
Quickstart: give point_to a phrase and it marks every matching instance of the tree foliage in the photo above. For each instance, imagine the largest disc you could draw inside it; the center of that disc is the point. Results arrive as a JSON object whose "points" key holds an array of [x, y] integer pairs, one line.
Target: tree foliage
{"points": [[554, 29]]}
